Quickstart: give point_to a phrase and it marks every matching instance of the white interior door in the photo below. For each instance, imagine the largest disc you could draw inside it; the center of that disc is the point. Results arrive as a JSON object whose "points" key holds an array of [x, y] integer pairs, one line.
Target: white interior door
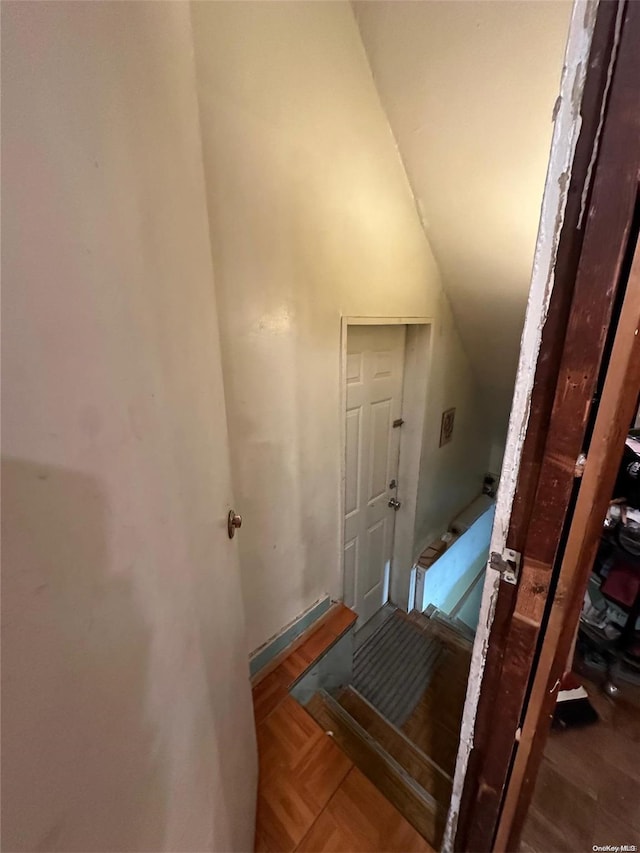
{"points": [[374, 374]]}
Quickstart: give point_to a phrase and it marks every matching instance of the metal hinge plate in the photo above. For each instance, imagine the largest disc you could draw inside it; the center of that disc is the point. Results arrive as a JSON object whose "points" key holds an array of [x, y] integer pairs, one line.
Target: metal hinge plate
{"points": [[507, 563]]}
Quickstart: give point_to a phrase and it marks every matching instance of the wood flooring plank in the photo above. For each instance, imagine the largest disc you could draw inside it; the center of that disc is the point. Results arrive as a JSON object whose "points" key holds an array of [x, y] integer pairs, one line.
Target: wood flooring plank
{"points": [[322, 769], [358, 819], [567, 806], [267, 695], [576, 765], [286, 736], [283, 814], [419, 808], [341, 620], [300, 769], [542, 836], [290, 799], [626, 721], [588, 790], [295, 664], [610, 829], [619, 796], [327, 835]]}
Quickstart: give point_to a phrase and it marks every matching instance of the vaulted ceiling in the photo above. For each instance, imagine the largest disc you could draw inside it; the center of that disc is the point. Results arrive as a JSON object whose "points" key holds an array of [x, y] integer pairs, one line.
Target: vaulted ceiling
{"points": [[469, 88]]}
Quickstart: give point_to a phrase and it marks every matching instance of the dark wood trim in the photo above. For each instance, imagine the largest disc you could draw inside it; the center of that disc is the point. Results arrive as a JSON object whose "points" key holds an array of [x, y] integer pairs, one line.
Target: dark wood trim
{"points": [[562, 390], [606, 235], [478, 818], [615, 413]]}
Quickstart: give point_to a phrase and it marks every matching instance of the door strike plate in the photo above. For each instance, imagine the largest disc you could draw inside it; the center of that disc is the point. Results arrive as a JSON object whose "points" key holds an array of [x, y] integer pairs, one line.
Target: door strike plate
{"points": [[507, 563]]}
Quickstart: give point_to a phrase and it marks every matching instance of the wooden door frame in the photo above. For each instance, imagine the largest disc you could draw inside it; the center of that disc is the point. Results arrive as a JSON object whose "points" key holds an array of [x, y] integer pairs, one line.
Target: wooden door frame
{"points": [[416, 370], [600, 201], [615, 411]]}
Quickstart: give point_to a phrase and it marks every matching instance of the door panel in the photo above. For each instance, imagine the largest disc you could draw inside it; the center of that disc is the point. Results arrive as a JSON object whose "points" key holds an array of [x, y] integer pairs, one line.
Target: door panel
{"points": [[353, 440], [374, 374], [379, 448], [376, 552], [350, 560]]}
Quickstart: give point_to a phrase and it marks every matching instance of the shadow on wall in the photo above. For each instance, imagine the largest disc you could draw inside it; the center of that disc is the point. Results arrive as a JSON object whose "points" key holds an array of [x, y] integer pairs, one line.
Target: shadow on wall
{"points": [[79, 769]]}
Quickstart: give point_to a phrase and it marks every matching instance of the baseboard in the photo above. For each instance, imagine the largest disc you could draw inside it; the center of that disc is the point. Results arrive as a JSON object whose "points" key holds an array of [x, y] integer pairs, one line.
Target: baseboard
{"points": [[265, 654]]}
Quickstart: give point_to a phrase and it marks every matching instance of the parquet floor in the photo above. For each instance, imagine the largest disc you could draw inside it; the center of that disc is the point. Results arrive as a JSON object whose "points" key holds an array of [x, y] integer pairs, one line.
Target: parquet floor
{"points": [[310, 796]]}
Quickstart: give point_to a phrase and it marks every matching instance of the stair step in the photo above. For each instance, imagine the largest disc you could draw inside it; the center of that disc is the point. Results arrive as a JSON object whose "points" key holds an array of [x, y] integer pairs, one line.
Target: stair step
{"points": [[464, 629], [416, 804], [446, 629], [419, 766]]}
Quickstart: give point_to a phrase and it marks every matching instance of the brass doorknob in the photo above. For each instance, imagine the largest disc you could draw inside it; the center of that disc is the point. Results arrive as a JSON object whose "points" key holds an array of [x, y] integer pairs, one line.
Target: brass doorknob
{"points": [[233, 521]]}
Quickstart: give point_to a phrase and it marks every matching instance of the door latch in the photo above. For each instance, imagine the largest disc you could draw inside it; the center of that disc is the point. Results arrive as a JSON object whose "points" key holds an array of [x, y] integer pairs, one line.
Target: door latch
{"points": [[394, 503], [507, 563]]}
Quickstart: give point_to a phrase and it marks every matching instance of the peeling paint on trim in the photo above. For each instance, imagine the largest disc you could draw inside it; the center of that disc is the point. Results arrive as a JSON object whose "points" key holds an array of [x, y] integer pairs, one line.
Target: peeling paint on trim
{"points": [[565, 136]]}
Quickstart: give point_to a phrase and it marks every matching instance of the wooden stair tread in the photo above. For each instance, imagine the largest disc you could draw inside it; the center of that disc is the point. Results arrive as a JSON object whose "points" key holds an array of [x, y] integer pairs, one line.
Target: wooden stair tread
{"points": [[419, 766], [438, 626], [434, 725], [431, 736], [271, 683], [418, 806]]}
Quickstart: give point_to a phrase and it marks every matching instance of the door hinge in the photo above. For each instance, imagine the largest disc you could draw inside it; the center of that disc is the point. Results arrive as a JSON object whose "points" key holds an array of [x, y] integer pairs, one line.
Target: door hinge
{"points": [[507, 563], [397, 423]]}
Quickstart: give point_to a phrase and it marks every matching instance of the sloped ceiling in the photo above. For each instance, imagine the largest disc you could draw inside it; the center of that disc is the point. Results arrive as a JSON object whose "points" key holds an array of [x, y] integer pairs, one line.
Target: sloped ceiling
{"points": [[469, 88]]}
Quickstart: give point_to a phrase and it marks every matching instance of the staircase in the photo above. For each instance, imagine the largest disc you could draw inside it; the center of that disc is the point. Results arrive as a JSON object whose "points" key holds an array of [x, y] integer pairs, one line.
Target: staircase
{"points": [[413, 669]]}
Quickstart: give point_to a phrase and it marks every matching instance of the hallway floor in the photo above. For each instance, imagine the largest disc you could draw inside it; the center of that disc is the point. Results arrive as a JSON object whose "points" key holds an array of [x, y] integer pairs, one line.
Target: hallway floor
{"points": [[588, 789], [311, 797]]}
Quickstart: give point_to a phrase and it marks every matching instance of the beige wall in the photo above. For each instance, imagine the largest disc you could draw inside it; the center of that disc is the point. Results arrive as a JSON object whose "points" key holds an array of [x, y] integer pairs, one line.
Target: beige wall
{"points": [[469, 90], [126, 717], [311, 218]]}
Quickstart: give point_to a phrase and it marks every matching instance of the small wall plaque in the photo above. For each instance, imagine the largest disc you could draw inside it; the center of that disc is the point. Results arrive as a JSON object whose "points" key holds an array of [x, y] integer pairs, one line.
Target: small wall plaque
{"points": [[446, 427]]}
